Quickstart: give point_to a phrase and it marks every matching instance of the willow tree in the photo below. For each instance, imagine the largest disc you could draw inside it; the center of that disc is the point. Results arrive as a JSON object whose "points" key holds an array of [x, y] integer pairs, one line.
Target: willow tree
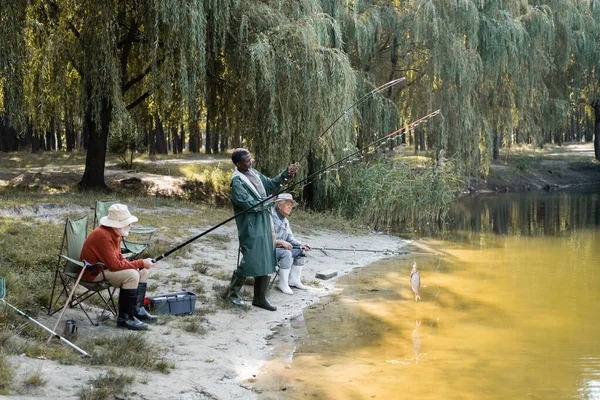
{"points": [[371, 32], [294, 80], [117, 54], [584, 68], [12, 54]]}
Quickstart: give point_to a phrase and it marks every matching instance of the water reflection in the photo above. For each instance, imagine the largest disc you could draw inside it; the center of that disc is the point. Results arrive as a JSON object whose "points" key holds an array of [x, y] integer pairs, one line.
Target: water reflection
{"points": [[416, 340], [532, 214], [508, 312]]}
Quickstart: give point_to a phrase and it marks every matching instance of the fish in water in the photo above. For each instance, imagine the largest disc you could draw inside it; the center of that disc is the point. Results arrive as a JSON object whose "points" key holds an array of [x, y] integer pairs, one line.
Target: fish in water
{"points": [[415, 281]]}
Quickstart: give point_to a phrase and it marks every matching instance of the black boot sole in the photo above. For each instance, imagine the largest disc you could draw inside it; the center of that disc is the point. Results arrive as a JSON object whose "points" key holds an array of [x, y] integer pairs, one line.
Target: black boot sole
{"points": [[265, 306], [132, 327], [146, 319]]}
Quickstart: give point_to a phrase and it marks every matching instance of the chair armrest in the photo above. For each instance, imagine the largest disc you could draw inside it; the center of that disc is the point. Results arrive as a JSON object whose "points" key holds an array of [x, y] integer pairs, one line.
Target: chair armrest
{"points": [[82, 264], [76, 262], [142, 231]]}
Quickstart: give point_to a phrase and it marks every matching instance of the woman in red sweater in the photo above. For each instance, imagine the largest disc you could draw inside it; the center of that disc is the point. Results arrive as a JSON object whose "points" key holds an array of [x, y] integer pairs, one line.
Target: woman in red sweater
{"points": [[103, 245]]}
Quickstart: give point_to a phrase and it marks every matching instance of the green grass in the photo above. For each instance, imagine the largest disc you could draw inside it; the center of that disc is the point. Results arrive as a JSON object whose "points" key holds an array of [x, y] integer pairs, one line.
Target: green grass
{"points": [[384, 193], [7, 373], [202, 267], [106, 386], [34, 379], [25, 159], [130, 350]]}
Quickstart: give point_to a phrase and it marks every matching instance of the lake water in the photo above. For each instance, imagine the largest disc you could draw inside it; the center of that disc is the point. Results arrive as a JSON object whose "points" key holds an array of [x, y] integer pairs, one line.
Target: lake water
{"points": [[509, 310]]}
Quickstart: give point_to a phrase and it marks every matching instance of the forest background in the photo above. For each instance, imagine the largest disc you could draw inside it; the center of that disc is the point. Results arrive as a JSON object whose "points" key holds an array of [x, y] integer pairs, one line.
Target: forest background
{"points": [[136, 76], [106, 80]]}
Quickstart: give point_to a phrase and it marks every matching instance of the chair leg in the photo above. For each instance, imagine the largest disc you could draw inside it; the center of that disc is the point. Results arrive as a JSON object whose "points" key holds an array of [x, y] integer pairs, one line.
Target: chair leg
{"points": [[52, 307], [274, 277], [52, 294]]}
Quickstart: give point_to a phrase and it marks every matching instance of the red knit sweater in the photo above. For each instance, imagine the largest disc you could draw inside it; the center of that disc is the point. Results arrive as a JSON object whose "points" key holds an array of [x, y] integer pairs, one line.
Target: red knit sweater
{"points": [[104, 245]]}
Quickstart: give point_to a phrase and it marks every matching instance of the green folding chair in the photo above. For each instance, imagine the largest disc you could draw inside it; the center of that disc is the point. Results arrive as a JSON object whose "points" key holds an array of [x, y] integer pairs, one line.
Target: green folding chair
{"points": [[131, 250], [67, 272]]}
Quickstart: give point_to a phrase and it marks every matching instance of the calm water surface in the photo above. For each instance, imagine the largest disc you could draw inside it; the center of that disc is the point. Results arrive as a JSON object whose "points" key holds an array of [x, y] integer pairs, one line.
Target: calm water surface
{"points": [[509, 310]]}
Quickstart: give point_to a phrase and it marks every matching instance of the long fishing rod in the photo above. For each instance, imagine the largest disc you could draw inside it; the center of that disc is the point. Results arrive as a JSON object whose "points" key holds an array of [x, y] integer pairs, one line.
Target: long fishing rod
{"points": [[362, 99], [356, 104], [366, 250], [21, 313], [404, 129]]}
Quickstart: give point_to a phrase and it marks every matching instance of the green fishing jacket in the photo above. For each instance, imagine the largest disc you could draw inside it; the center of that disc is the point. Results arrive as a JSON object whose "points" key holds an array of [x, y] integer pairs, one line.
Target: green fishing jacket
{"points": [[254, 226]]}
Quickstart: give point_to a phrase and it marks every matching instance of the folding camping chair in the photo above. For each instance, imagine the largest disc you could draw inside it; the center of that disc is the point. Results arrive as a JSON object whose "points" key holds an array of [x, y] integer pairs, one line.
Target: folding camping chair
{"points": [[131, 250], [276, 267], [67, 271]]}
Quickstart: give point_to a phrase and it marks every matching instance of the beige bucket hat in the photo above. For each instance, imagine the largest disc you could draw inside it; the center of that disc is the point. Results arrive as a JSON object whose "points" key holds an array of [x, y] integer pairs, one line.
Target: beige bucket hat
{"points": [[286, 197], [118, 217]]}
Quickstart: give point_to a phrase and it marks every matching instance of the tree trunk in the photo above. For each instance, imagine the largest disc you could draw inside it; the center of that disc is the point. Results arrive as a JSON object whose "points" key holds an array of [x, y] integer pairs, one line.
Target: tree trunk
{"points": [[85, 135], [577, 124], [195, 137], [181, 141], [59, 142], [161, 142], [496, 144], [9, 140], [35, 140], [175, 139], [69, 134], [223, 145], [596, 106], [93, 176], [416, 142], [236, 140], [50, 138], [210, 121], [557, 137]]}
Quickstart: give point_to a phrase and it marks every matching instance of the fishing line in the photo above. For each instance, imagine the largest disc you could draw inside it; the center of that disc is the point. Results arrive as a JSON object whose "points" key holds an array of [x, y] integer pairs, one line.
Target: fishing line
{"points": [[365, 250], [355, 104], [402, 130]]}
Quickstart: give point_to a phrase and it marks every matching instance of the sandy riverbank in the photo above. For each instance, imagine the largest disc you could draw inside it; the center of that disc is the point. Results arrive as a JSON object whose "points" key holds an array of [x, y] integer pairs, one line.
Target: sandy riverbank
{"points": [[211, 365]]}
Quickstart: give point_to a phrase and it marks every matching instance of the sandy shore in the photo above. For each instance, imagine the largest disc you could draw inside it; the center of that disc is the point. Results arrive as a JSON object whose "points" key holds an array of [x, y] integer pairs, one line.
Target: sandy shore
{"points": [[212, 365]]}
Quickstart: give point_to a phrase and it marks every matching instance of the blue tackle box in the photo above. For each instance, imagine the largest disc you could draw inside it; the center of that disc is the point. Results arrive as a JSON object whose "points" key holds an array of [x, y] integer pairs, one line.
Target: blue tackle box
{"points": [[173, 303]]}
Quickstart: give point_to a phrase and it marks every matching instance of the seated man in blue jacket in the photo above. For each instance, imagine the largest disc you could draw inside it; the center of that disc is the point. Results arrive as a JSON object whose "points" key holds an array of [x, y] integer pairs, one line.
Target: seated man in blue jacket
{"points": [[290, 252]]}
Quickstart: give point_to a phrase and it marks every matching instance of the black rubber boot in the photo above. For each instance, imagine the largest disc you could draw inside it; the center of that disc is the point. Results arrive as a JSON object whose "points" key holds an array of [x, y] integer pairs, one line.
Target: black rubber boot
{"points": [[261, 285], [127, 319], [140, 310], [233, 292]]}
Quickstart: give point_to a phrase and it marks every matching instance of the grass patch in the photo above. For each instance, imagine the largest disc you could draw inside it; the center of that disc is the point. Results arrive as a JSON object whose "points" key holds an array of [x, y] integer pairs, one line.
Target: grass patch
{"points": [[107, 386], [202, 267], [7, 373], [44, 159], [130, 350], [193, 324], [34, 379], [221, 275], [523, 164], [384, 193]]}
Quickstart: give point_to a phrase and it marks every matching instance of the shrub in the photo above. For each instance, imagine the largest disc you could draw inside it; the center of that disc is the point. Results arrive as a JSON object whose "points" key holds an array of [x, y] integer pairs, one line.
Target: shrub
{"points": [[388, 193]]}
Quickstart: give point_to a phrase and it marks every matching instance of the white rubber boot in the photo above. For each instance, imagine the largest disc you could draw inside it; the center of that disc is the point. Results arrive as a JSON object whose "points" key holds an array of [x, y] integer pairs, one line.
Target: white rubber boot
{"points": [[295, 276], [284, 275]]}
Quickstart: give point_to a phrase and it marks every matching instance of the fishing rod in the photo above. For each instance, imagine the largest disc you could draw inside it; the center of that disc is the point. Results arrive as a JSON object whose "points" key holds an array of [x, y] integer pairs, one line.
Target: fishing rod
{"points": [[362, 99], [402, 130], [21, 313], [367, 250], [356, 104]]}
